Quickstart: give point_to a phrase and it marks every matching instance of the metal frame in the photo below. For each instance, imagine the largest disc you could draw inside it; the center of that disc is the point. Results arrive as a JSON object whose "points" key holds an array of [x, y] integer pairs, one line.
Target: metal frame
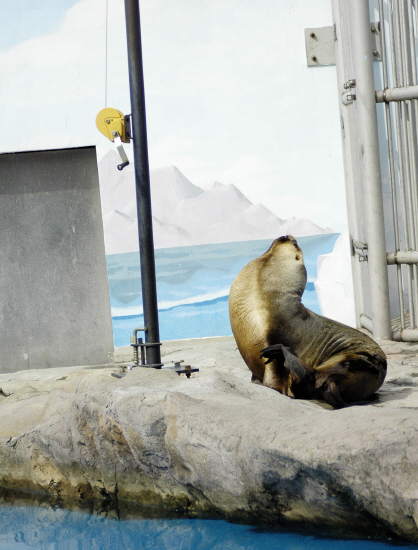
{"points": [[362, 162], [353, 44]]}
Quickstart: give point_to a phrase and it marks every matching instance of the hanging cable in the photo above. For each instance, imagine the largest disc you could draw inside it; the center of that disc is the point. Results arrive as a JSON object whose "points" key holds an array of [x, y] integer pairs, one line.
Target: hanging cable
{"points": [[107, 18]]}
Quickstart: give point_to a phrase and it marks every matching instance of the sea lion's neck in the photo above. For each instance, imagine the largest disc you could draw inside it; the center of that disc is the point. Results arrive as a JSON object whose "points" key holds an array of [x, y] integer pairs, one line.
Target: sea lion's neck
{"points": [[285, 304], [283, 283]]}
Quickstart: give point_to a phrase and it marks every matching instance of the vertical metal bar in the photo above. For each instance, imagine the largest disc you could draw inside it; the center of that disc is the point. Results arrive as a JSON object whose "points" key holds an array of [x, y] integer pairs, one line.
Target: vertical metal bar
{"points": [[372, 183], [410, 70], [404, 81], [348, 154], [397, 80], [392, 175], [413, 110], [412, 43], [413, 143], [140, 147]]}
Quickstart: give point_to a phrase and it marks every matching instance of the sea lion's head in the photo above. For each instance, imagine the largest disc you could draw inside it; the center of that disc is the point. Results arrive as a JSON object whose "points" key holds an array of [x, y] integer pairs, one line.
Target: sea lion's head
{"points": [[283, 268]]}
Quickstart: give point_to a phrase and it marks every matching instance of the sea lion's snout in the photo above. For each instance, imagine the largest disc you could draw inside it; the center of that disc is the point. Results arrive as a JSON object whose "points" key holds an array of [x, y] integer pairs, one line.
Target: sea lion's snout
{"points": [[288, 239]]}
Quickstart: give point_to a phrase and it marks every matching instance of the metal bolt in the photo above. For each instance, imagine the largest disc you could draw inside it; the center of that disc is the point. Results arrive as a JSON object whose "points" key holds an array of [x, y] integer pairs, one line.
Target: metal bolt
{"points": [[375, 52], [107, 121], [314, 58], [313, 35], [373, 29]]}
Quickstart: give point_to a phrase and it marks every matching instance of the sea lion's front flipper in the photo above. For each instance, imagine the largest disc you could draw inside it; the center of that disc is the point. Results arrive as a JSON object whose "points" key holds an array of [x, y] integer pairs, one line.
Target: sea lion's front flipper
{"points": [[290, 361], [271, 378], [333, 397]]}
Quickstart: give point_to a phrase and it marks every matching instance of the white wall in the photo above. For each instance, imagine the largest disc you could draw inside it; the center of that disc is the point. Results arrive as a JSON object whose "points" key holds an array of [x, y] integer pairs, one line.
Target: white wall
{"points": [[229, 96]]}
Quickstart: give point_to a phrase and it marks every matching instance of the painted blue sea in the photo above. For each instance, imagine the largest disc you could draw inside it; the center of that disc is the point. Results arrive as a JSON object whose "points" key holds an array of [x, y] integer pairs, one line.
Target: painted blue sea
{"points": [[193, 284]]}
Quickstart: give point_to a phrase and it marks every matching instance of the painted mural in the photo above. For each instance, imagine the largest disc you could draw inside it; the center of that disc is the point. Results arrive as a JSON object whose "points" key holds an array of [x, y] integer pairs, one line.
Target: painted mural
{"points": [[244, 138], [203, 238]]}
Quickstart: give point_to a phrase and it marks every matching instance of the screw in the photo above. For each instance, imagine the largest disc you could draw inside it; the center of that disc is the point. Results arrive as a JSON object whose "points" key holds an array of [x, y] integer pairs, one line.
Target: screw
{"points": [[314, 58], [313, 35], [375, 52], [107, 121], [373, 29]]}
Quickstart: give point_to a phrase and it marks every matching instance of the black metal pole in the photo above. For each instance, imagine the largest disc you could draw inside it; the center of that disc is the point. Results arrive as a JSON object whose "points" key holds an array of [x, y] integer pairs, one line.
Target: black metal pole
{"points": [[143, 193]]}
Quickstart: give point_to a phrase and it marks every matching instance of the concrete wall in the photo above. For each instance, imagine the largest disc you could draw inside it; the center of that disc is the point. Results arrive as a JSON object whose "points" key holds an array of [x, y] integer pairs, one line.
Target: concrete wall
{"points": [[54, 297]]}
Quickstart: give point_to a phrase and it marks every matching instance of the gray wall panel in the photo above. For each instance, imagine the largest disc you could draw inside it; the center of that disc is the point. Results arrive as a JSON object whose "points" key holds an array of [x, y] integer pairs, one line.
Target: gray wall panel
{"points": [[54, 296]]}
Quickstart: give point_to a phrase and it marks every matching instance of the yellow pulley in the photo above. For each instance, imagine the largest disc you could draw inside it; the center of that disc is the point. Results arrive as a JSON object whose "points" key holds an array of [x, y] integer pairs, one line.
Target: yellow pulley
{"points": [[117, 128]]}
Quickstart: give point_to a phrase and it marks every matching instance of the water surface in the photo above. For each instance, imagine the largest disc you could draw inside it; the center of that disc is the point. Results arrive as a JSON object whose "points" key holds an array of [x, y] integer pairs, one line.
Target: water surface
{"points": [[48, 528]]}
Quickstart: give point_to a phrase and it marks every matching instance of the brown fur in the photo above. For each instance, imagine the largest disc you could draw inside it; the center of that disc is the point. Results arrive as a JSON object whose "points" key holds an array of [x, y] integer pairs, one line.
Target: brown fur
{"points": [[333, 361]]}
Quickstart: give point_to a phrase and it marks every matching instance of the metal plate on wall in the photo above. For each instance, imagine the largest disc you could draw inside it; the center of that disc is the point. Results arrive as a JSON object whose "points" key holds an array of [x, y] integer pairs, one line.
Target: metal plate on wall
{"points": [[320, 45]]}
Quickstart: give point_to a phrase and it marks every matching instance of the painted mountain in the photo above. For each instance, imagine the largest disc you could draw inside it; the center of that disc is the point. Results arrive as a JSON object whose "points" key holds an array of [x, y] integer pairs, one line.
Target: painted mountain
{"points": [[183, 213]]}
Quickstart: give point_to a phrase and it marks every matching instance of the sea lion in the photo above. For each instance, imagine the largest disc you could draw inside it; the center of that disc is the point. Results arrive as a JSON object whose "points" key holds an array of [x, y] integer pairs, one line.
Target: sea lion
{"points": [[308, 356]]}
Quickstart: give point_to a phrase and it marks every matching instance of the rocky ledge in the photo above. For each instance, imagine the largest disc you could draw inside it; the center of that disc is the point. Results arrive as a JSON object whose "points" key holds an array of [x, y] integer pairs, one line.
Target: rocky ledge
{"points": [[216, 443]]}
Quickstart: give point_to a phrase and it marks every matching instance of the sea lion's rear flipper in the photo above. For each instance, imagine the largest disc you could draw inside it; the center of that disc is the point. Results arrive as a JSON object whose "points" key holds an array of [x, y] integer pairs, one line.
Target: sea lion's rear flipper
{"points": [[289, 360], [255, 380]]}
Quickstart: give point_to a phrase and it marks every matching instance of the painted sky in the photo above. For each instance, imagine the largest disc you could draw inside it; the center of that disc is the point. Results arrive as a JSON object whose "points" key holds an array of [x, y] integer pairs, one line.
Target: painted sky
{"points": [[229, 96]]}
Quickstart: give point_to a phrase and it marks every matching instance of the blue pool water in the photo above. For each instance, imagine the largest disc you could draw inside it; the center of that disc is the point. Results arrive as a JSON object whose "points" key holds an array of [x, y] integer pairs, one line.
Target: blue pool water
{"points": [[193, 284], [45, 528]]}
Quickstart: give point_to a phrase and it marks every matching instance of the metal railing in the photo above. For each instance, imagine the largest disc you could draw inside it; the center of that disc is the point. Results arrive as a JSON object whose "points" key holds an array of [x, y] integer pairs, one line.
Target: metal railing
{"points": [[381, 215]]}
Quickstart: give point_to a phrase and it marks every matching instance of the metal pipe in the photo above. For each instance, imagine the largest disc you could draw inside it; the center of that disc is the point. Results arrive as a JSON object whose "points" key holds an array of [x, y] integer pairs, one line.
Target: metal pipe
{"points": [[348, 156], [416, 20], [412, 55], [396, 111], [408, 157], [142, 179], [392, 175], [397, 81], [366, 322], [397, 94], [406, 335], [412, 134], [372, 184], [397, 258]]}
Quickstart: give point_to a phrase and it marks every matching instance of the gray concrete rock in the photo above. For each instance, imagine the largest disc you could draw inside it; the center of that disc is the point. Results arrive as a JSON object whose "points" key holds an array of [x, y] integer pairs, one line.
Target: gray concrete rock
{"points": [[215, 443]]}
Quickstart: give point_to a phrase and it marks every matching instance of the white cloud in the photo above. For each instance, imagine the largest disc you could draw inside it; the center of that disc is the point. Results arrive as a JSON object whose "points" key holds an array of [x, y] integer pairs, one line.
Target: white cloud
{"points": [[54, 85], [183, 152], [59, 67]]}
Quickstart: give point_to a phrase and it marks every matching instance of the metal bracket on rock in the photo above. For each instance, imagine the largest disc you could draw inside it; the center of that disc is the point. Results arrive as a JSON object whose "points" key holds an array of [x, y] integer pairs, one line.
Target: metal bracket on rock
{"points": [[139, 359], [186, 369], [140, 348]]}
